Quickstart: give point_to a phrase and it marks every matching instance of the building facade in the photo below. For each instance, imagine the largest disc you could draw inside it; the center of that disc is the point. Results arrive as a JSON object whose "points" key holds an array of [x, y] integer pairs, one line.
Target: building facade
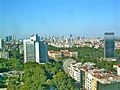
{"points": [[117, 67], [109, 45], [1, 43], [4, 55], [92, 78], [62, 53], [35, 50], [43, 52]]}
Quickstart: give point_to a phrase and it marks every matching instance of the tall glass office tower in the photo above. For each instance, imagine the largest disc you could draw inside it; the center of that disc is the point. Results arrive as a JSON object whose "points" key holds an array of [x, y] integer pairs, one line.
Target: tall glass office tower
{"points": [[43, 52], [109, 45]]}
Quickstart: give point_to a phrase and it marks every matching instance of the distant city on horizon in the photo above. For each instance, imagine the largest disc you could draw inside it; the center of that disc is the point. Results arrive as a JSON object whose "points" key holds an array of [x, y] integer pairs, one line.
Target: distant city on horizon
{"points": [[59, 36]]}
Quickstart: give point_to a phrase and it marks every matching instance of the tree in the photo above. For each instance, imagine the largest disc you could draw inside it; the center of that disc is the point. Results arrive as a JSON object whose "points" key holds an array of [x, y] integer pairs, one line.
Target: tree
{"points": [[62, 82]]}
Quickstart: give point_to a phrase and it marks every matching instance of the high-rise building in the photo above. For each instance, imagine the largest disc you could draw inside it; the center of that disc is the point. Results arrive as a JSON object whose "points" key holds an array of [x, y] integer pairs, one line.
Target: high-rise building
{"points": [[6, 38], [29, 50], [109, 45], [10, 38], [43, 52], [13, 37], [1, 43], [35, 50]]}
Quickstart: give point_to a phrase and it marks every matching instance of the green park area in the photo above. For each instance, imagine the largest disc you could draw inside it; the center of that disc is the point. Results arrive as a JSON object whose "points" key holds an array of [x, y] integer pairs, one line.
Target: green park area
{"points": [[50, 75]]}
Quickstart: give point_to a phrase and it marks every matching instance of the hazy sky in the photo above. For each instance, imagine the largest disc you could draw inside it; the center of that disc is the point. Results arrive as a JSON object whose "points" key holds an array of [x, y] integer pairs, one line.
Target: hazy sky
{"points": [[89, 18]]}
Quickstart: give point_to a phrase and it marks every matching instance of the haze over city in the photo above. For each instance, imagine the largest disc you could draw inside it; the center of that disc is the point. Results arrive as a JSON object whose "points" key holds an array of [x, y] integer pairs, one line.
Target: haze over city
{"points": [[89, 18]]}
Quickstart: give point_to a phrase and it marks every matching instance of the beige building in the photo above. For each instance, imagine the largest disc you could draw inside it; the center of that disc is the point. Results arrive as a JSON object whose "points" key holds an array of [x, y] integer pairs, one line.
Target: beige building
{"points": [[4, 55], [117, 67], [62, 53], [54, 54], [117, 44], [92, 78], [74, 54]]}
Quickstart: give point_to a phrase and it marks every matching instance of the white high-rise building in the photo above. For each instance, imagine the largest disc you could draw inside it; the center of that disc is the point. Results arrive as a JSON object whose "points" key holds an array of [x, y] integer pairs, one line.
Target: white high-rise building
{"points": [[35, 50], [1, 43]]}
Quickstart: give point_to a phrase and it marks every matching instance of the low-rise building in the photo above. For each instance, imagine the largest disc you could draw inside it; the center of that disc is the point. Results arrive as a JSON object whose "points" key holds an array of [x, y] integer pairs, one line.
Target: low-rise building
{"points": [[21, 49], [62, 53], [67, 63], [117, 67], [92, 78], [4, 55], [74, 54], [65, 53], [105, 80], [100, 79], [75, 71], [55, 54], [117, 44]]}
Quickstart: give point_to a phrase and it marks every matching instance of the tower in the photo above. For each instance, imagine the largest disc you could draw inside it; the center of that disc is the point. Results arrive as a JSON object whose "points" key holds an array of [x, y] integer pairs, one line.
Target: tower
{"points": [[35, 50], [109, 45], [1, 43]]}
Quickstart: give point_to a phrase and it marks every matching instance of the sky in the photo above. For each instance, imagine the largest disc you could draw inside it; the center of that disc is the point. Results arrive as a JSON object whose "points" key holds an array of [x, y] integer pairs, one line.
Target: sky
{"points": [[89, 18]]}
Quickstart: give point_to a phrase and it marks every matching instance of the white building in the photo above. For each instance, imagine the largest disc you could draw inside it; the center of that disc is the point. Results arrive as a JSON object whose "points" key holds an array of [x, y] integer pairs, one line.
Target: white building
{"points": [[88, 84], [21, 49], [35, 50], [4, 55], [1, 43], [92, 78], [74, 54], [75, 71], [117, 67]]}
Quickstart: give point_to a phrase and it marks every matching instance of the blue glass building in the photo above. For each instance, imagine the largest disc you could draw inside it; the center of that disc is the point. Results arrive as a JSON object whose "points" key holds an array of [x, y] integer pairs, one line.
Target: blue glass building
{"points": [[109, 45], [43, 52]]}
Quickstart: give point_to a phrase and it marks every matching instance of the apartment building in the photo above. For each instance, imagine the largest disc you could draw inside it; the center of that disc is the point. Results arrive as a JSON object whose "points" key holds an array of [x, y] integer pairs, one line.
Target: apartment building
{"points": [[93, 78]]}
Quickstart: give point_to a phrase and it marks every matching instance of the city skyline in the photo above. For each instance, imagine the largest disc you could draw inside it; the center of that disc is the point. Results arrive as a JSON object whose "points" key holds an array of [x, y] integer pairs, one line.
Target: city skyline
{"points": [[87, 18]]}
